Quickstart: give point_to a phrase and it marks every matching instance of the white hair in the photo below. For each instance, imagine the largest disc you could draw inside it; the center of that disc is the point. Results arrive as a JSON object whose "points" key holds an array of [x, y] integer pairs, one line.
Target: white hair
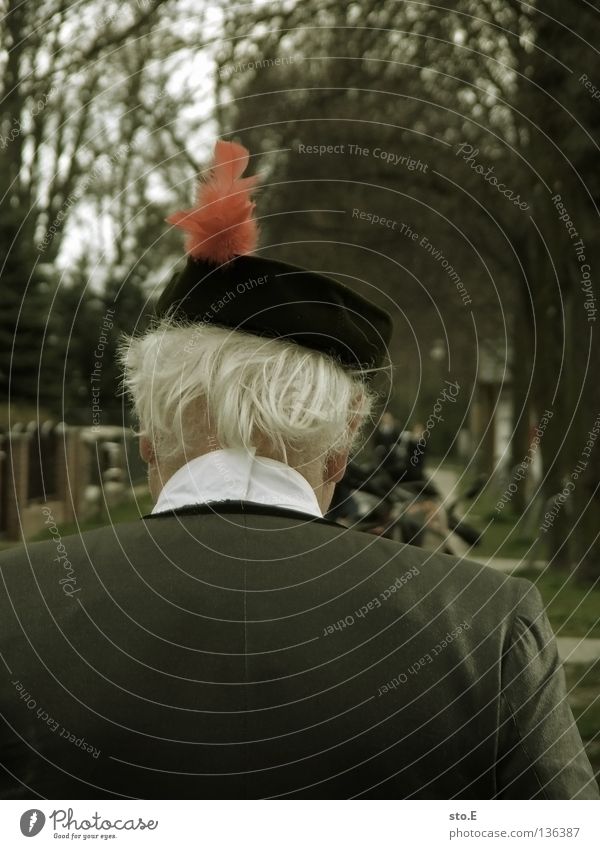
{"points": [[242, 390]]}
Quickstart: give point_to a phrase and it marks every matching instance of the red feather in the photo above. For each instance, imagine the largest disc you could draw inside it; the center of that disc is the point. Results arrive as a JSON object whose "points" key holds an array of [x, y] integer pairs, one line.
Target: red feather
{"points": [[222, 225]]}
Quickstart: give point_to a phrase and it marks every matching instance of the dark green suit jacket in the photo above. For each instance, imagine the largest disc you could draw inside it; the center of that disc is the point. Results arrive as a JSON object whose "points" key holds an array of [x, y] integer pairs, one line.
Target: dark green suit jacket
{"points": [[240, 651]]}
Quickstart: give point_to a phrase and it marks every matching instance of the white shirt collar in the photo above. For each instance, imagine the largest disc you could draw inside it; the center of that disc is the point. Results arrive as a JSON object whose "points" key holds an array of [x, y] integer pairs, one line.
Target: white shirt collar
{"points": [[241, 476]]}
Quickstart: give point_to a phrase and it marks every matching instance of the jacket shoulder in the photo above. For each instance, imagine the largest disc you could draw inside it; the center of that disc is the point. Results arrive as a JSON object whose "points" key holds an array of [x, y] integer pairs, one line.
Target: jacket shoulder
{"points": [[449, 569]]}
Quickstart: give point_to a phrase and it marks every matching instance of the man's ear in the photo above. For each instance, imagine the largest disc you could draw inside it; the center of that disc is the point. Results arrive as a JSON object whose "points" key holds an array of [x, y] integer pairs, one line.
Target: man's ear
{"points": [[336, 463], [336, 466], [147, 450]]}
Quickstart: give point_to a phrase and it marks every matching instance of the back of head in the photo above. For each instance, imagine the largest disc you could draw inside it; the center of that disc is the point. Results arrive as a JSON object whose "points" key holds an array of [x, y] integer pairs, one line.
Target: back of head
{"points": [[198, 387]]}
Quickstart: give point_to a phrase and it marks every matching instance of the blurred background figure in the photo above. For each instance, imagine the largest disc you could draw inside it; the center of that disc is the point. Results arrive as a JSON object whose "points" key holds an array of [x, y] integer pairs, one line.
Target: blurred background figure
{"points": [[417, 452], [400, 452], [387, 443]]}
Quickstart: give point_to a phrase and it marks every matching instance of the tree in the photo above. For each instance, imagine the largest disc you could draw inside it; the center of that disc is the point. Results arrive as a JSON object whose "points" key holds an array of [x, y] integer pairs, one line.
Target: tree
{"points": [[69, 114]]}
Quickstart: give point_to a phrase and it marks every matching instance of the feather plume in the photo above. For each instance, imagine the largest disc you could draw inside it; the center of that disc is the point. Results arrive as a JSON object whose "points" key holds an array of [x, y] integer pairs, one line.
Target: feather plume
{"points": [[221, 226]]}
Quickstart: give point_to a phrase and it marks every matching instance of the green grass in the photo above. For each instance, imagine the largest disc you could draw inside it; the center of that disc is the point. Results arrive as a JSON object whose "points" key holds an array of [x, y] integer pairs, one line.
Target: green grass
{"points": [[501, 538], [583, 685], [128, 511], [503, 532], [573, 608]]}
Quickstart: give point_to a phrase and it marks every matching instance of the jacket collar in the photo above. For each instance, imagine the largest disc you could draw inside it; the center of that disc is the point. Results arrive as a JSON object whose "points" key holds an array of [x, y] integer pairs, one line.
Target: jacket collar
{"points": [[242, 508]]}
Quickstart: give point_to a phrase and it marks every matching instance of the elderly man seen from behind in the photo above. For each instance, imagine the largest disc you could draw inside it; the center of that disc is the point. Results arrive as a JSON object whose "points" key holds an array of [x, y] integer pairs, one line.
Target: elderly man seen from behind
{"points": [[236, 644]]}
